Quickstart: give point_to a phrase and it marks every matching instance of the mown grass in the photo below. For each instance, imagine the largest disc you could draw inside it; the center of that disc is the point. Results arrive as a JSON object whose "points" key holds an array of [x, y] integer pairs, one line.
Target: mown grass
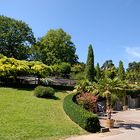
{"points": [[24, 116]]}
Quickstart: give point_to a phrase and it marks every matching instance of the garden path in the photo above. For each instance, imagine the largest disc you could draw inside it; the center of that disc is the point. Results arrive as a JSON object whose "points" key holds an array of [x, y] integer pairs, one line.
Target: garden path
{"points": [[129, 128]]}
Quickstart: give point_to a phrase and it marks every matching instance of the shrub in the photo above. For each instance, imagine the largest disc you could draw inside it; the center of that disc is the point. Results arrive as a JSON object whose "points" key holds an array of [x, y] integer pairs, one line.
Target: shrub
{"points": [[79, 115], [44, 92], [87, 101]]}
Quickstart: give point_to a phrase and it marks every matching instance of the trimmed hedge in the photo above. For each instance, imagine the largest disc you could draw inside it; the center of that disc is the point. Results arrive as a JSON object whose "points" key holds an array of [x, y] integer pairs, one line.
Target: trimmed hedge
{"points": [[79, 115]]}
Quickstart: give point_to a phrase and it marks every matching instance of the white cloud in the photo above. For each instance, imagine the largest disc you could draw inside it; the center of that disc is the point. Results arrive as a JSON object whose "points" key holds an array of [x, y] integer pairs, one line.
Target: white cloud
{"points": [[133, 51]]}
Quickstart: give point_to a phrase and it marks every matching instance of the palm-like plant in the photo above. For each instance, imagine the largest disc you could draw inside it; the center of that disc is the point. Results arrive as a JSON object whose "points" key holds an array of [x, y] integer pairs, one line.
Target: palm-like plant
{"points": [[105, 89]]}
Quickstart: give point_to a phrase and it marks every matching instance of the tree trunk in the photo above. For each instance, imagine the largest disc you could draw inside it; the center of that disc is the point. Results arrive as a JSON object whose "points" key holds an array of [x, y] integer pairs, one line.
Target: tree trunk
{"points": [[108, 98]]}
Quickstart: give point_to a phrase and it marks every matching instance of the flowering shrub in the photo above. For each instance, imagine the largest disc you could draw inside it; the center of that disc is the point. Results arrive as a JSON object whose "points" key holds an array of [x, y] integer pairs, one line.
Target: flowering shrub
{"points": [[88, 101]]}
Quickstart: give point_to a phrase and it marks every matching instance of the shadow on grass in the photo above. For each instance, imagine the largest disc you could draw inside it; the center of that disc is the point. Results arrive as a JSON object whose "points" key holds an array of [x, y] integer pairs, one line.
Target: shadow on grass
{"points": [[20, 88], [54, 98], [26, 89], [32, 89], [49, 98]]}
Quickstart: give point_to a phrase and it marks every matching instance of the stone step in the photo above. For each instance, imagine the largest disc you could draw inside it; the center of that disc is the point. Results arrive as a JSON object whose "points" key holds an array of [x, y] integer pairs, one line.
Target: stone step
{"points": [[104, 129]]}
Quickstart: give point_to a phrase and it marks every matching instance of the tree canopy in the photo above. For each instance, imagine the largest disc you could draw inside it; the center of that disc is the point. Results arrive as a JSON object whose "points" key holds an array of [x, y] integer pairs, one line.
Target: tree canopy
{"points": [[11, 68], [133, 72], [108, 64], [55, 47], [109, 69], [16, 37]]}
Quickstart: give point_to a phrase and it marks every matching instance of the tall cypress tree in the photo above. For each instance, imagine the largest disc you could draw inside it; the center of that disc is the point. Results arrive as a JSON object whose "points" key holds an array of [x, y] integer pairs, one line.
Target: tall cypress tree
{"points": [[90, 65], [98, 72], [121, 71]]}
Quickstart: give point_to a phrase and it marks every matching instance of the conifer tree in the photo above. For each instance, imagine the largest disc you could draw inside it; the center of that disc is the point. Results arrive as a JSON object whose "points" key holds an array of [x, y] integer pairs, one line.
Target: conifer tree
{"points": [[98, 72], [121, 71], [90, 65]]}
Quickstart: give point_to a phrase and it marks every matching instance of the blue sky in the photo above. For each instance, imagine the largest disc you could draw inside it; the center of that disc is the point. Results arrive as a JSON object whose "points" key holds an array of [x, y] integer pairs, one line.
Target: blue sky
{"points": [[111, 26]]}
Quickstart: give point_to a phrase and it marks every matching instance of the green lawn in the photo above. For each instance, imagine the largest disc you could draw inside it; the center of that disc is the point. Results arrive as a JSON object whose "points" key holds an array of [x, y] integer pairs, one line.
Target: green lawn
{"points": [[23, 116]]}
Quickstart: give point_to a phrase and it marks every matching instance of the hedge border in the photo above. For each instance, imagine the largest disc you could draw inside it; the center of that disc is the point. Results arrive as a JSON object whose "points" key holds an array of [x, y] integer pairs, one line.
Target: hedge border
{"points": [[79, 115]]}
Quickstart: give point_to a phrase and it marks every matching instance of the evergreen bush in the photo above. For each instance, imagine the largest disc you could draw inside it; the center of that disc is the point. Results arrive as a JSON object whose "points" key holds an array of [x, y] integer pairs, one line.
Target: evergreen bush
{"points": [[44, 92]]}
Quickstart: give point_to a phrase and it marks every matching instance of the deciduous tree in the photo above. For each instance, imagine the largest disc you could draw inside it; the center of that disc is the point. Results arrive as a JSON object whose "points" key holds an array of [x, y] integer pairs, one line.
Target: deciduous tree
{"points": [[16, 37], [55, 47]]}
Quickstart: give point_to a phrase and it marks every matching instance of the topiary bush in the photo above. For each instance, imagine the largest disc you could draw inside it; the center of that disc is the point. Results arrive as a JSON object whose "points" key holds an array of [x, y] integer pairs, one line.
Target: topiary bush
{"points": [[44, 92], [79, 115]]}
